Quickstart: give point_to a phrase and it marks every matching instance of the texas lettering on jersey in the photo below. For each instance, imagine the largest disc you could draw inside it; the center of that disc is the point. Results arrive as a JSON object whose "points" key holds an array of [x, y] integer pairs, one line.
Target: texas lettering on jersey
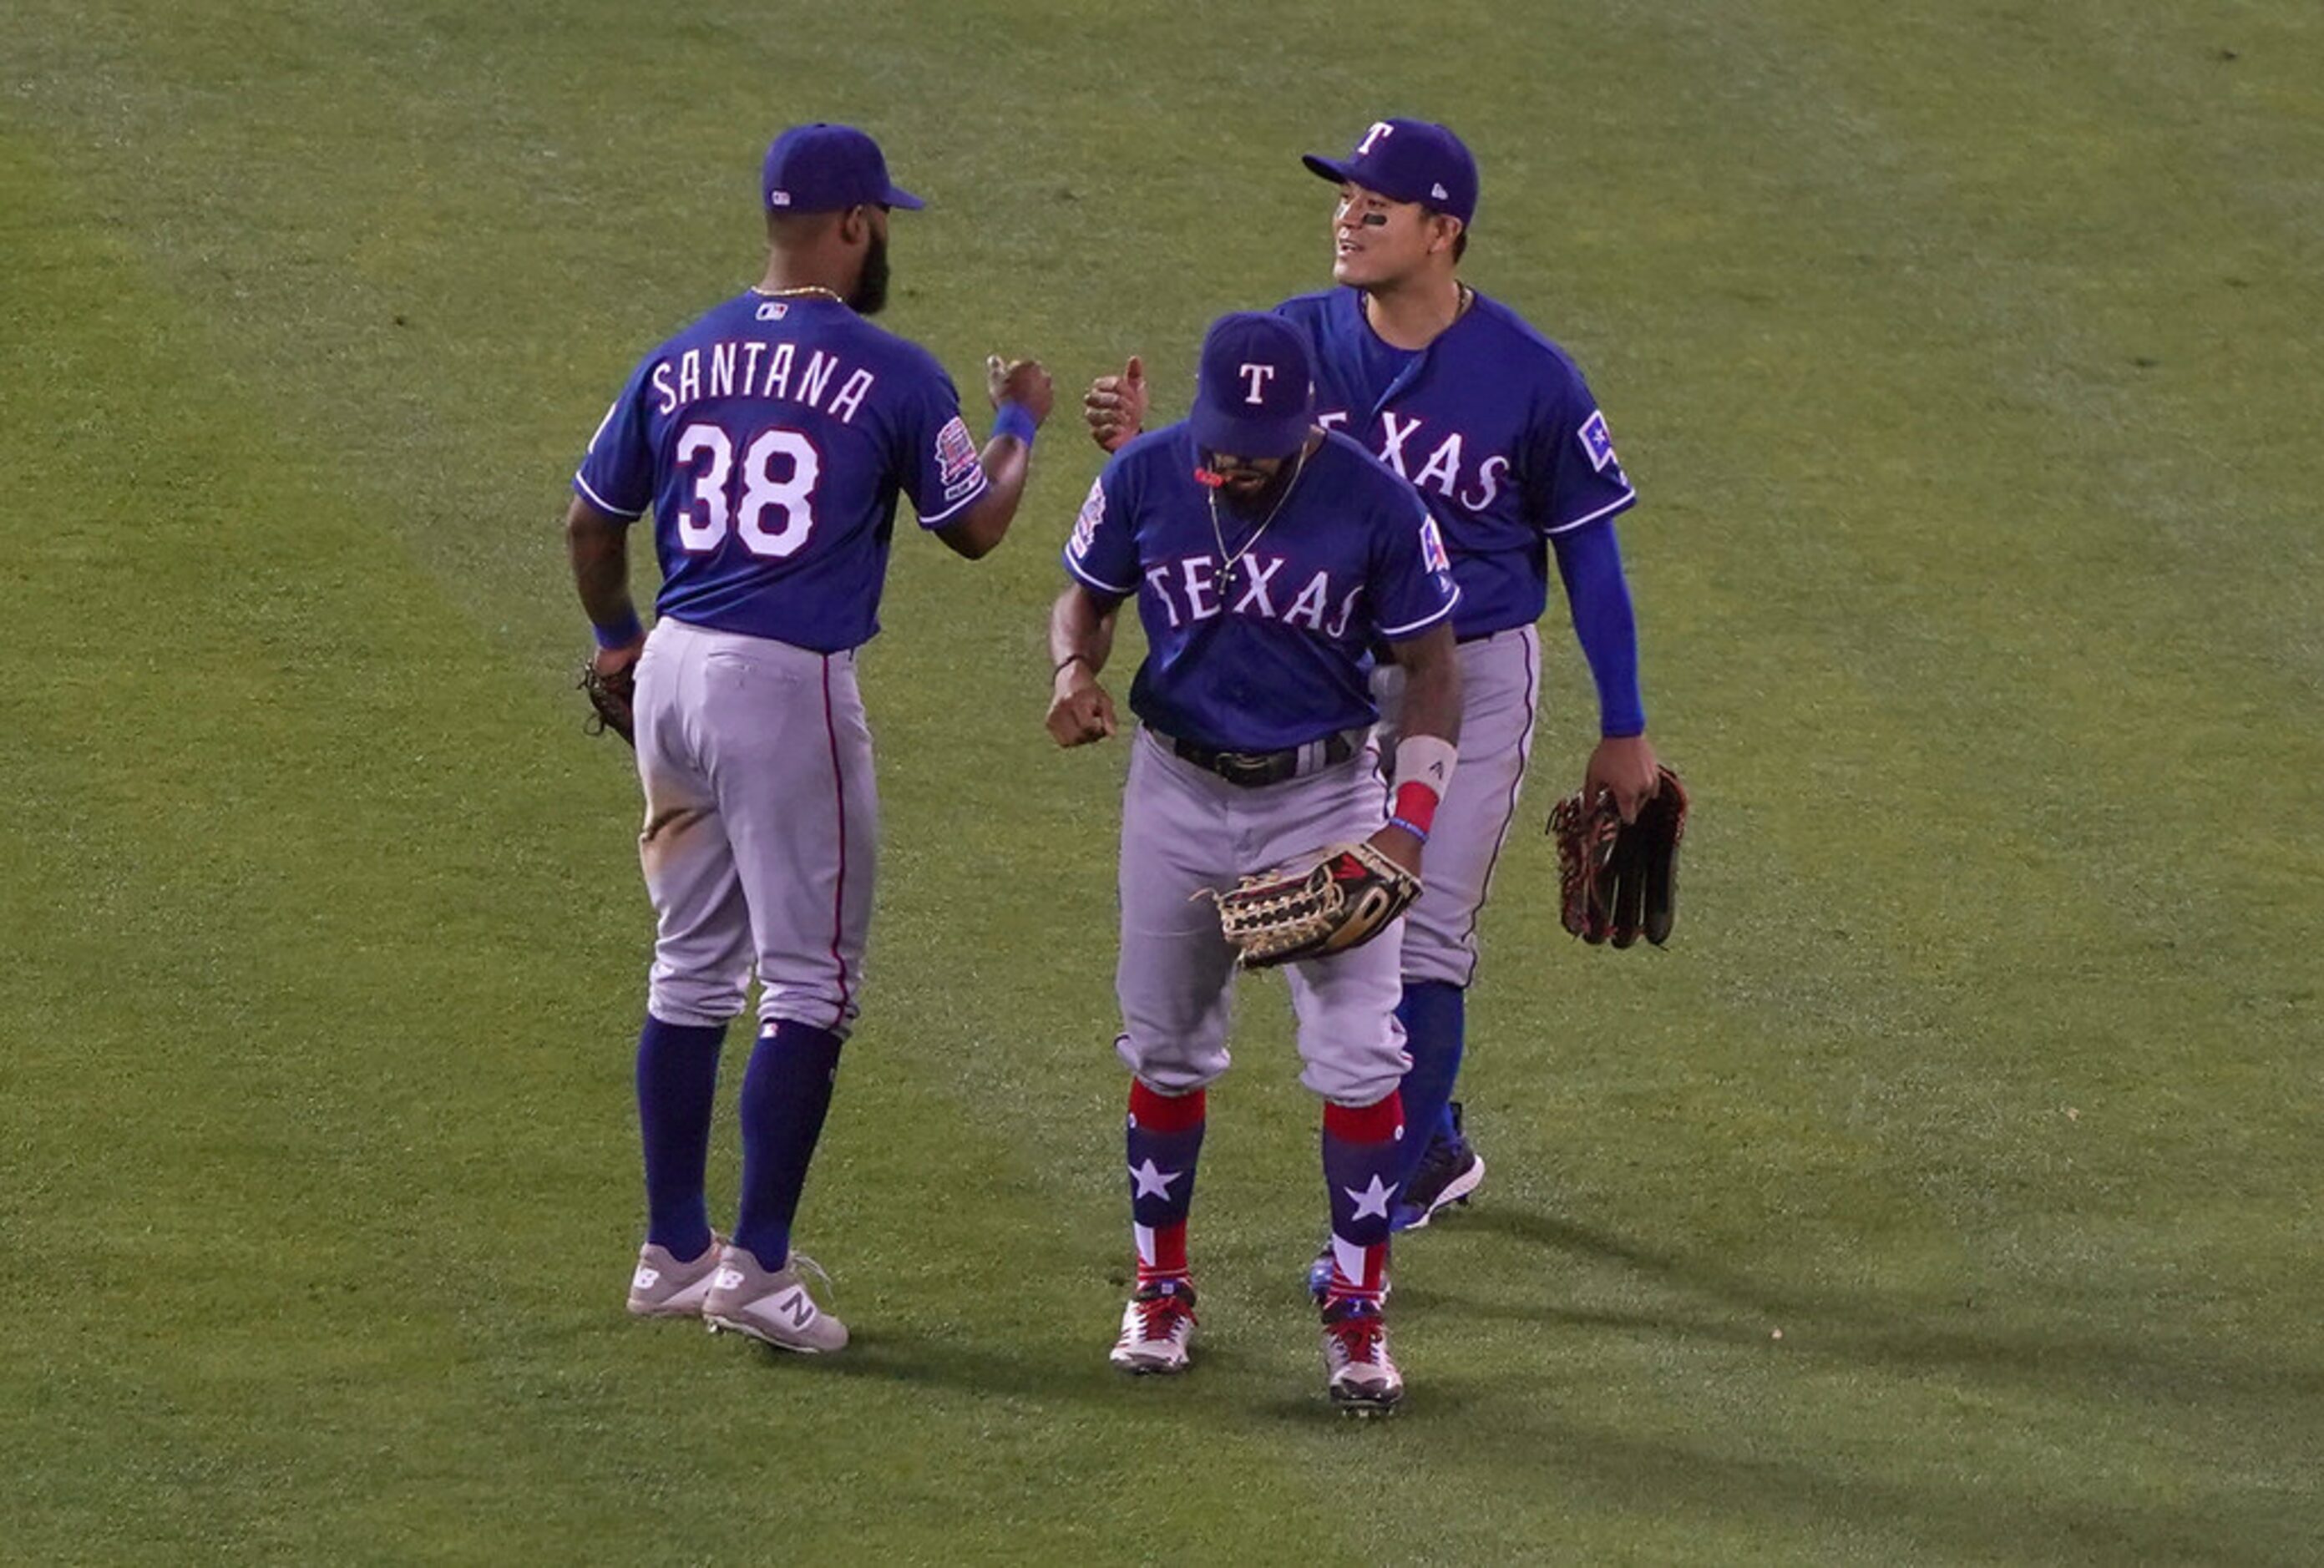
{"points": [[1190, 590], [1266, 645], [773, 439], [1491, 423]]}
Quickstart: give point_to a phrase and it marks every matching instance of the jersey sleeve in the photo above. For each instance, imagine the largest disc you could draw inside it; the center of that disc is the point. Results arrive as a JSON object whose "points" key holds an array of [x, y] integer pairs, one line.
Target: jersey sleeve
{"points": [[1577, 478], [1412, 577], [617, 475], [942, 472], [1101, 555]]}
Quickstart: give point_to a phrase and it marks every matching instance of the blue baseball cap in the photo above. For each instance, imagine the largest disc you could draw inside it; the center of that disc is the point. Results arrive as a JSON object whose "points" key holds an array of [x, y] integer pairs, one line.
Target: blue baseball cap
{"points": [[1255, 392], [823, 168], [1409, 161]]}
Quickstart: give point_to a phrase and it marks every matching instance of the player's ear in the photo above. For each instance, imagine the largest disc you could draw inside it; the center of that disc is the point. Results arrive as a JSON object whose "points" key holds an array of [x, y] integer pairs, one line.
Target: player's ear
{"points": [[855, 224], [1444, 232]]}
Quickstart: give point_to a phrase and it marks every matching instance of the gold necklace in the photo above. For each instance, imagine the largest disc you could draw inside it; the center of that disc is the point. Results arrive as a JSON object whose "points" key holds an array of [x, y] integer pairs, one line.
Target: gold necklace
{"points": [[1228, 563], [806, 292]]}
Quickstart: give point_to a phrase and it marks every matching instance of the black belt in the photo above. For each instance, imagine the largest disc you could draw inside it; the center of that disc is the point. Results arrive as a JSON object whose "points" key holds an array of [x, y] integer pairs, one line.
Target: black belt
{"points": [[1256, 770]]}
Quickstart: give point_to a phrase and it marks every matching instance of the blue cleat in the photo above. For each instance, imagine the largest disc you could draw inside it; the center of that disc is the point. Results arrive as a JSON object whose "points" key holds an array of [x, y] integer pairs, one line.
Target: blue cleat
{"points": [[1448, 1172]]}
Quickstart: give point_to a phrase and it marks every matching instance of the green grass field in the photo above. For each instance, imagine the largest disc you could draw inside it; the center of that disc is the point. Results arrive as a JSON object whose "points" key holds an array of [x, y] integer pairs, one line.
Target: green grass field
{"points": [[1967, 357]]}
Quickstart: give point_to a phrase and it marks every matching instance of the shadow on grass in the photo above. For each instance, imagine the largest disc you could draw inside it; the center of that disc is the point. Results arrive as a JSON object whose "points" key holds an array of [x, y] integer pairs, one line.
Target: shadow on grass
{"points": [[1545, 1435], [1908, 1335], [1074, 1373]]}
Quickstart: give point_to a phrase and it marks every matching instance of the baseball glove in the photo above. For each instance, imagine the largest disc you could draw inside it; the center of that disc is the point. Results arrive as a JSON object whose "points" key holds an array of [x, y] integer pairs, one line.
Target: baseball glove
{"points": [[614, 696], [1618, 879], [1311, 911]]}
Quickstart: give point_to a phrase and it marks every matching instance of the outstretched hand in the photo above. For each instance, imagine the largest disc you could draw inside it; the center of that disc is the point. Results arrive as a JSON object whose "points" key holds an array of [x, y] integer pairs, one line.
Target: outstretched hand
{"points": [[1115, 406], [1022, 382]]}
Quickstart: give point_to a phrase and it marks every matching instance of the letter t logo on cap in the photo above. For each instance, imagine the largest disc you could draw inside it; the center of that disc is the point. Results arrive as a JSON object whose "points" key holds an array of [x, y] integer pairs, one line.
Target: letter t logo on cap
{"points": [[1379, 128], [1256, 377]]}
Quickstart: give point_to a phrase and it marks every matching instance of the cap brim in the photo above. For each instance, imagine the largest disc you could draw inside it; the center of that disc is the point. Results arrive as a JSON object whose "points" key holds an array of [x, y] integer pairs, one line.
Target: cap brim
{"points": [[1327, 168], [1217, 433], [898, 197]]}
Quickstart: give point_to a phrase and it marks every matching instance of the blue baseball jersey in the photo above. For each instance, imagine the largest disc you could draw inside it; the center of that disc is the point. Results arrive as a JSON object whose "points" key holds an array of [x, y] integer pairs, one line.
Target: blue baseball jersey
{"points": [[1272, 651], [1491, 423], [772, 438]]}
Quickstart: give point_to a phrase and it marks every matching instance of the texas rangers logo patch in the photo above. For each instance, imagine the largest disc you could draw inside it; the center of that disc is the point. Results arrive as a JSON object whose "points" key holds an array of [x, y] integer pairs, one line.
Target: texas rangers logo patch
{"points": [[955, 450], [1086, 525], [1597, 442], [1432, 547]]}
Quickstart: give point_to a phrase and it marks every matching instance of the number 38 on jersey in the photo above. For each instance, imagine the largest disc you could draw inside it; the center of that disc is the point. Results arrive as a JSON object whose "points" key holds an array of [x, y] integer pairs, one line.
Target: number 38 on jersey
{"points": [[767, 497]]}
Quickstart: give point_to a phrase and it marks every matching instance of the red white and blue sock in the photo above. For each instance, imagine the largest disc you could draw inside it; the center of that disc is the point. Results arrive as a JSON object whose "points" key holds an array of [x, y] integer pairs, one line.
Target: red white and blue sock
{"points": [[1164, 1139], [785, 1093], [678, 1085], [1363, 1158]]}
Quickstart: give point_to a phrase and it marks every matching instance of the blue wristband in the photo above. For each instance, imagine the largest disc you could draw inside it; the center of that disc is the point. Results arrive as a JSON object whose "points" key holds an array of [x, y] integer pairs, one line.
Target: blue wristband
{"points": [[1015, 420], [1413, 828], [620, 634]]}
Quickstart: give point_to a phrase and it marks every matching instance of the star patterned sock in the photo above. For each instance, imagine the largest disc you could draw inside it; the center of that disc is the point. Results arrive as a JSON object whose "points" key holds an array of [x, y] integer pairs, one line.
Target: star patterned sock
{"points": [[1164, 1137], [1362, 1151]]}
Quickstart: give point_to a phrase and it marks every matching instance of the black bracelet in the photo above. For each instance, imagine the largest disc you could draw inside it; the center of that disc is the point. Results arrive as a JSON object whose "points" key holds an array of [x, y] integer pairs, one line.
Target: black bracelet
{"points": [[1072, 659]]}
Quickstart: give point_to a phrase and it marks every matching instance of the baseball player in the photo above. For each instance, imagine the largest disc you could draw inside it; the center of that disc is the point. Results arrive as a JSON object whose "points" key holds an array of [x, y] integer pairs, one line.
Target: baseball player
{"points": [[1267, 556], [1494, 426], [770, 439]]}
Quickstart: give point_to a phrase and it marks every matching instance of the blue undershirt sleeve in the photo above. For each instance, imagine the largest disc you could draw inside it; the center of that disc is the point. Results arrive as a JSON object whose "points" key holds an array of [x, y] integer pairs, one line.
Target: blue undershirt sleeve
{"points": [[1589, 563]]}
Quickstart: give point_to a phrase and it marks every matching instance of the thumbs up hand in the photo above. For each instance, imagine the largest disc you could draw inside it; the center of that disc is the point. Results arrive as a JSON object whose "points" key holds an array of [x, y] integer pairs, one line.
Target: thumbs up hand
{"points": [[1115, 406]]}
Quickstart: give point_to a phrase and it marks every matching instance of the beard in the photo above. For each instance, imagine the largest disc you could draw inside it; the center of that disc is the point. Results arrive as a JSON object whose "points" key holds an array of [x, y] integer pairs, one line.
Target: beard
{"points": [[870, 296], [1252, 497]]}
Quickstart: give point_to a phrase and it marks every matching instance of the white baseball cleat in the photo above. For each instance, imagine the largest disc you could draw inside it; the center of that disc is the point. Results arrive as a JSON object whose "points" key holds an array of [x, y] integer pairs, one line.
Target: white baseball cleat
{"points": [[1156, 1326], [1362, 1379], [772, 1306], [662, 1287]]}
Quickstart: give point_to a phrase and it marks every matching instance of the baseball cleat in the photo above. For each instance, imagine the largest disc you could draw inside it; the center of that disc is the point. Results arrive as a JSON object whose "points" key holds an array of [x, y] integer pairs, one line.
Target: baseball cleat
{"points": [[771, 1306], [1361, 1378], [1155, 1328], [1449, 1171], [662, 1287]]}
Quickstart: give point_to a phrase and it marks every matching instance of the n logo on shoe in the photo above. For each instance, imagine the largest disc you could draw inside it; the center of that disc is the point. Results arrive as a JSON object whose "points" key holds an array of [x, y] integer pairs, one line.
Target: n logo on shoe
{"points": [[800, 1307]]}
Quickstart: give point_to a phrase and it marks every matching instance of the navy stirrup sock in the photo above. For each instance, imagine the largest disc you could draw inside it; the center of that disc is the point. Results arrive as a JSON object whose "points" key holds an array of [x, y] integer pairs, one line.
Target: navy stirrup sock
{"points": [[678, 1085], [786, 1091], [1435, 1014]]}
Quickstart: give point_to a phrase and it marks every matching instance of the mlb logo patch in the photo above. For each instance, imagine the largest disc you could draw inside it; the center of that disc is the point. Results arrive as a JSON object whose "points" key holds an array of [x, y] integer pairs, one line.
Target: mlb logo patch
{"points": [[778, 199], [1432, 547], [955, 450], [1597, 442], [1086, 525]]}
